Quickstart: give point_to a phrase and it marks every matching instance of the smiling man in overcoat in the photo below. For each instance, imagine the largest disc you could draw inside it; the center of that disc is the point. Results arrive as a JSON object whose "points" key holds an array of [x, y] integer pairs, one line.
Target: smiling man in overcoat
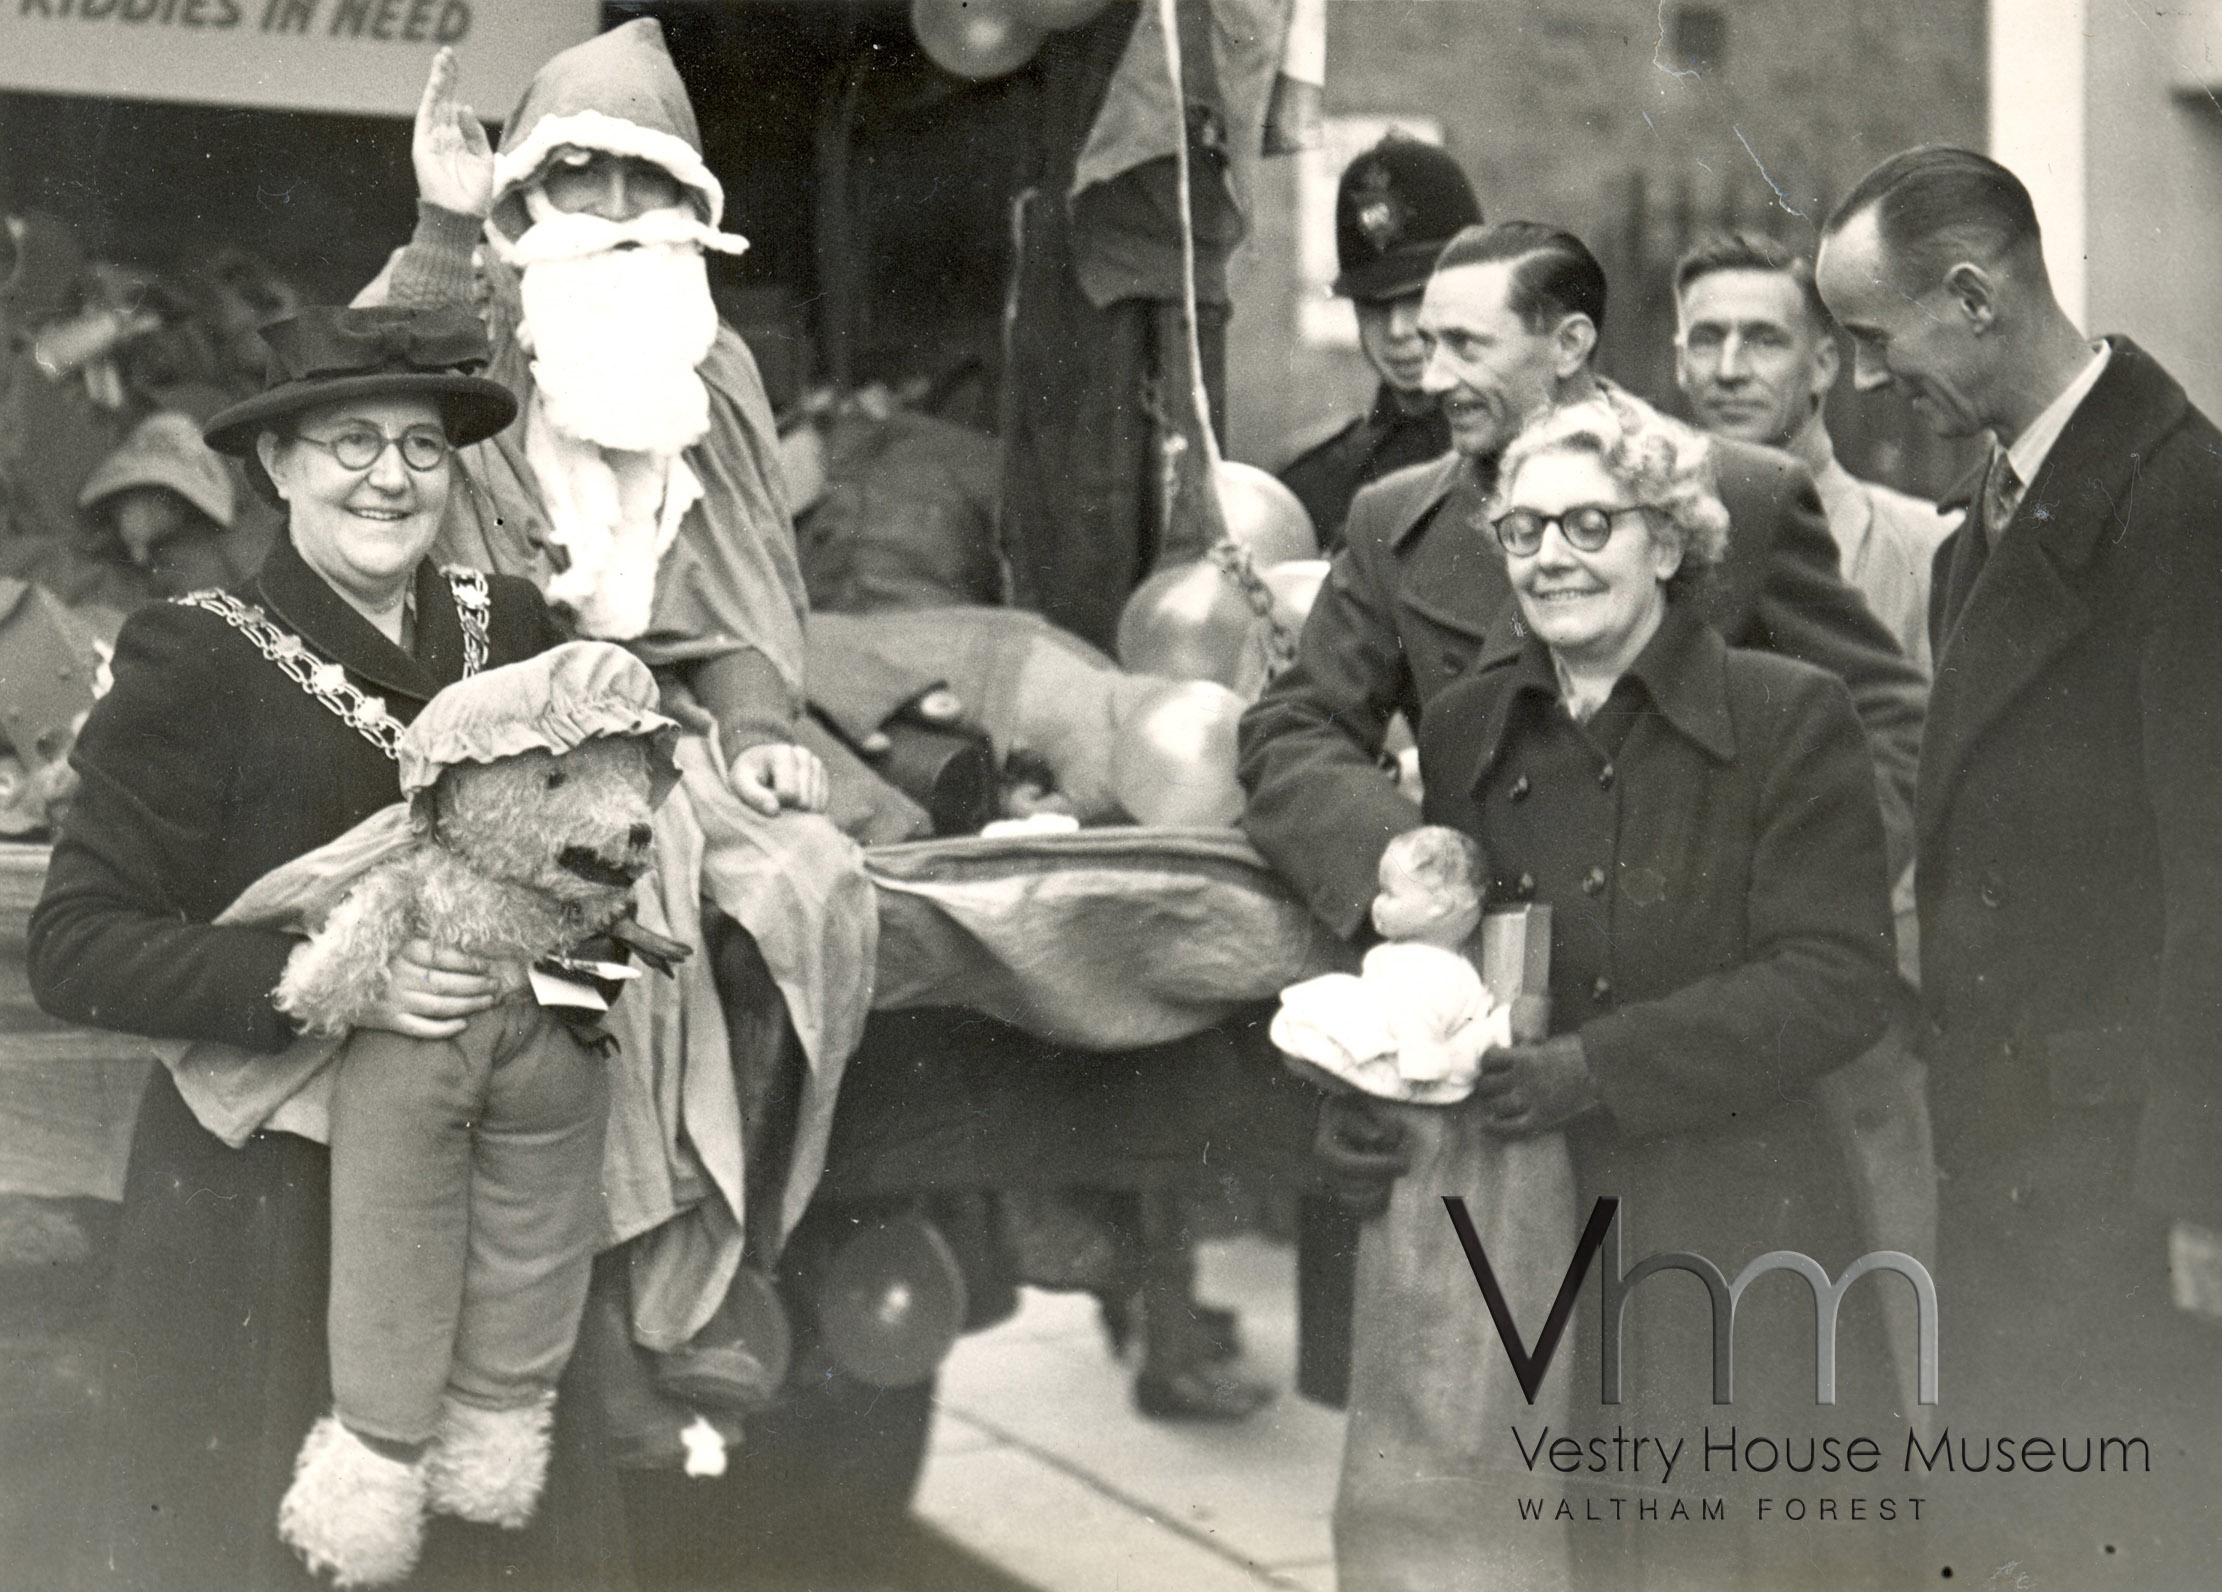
{"points": [[2069, 876]]}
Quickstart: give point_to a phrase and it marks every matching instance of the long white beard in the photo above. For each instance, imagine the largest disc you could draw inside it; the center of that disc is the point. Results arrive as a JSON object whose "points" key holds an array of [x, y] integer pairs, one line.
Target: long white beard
{"points": [[614, 515], [617, 315]]}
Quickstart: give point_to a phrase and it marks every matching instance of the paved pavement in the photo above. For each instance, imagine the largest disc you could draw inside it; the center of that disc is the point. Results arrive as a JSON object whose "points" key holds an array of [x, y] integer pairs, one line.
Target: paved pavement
{"points": [[1041, 1467], [1040, 1477]]}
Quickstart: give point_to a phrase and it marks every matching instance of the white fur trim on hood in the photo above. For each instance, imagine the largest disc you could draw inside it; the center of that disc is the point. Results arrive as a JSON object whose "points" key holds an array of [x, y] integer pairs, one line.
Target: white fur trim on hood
{"points": [[593, 129]]}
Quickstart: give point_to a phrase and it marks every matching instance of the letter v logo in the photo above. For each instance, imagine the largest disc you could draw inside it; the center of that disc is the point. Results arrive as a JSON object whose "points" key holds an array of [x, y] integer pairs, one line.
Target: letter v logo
{"points": [[1529, 1367]]}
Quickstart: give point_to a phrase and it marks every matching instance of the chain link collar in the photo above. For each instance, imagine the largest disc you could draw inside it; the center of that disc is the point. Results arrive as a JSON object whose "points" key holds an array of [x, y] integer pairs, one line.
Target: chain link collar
{"points": [[361, 712]]}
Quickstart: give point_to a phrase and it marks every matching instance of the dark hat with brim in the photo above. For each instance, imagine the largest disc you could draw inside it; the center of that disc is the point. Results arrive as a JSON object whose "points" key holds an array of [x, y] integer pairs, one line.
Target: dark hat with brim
{"points": [[330, 355]]}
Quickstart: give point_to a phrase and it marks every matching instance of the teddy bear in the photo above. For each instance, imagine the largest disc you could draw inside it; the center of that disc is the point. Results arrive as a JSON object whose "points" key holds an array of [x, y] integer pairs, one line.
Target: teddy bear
{"points": [[1413, 1024], [466, 1171]]}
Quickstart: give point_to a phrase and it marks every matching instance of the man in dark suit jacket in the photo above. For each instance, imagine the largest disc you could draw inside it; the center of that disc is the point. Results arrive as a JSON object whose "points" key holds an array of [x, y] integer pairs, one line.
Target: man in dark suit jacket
{"points": [[1512, 314], [2069, 874]]}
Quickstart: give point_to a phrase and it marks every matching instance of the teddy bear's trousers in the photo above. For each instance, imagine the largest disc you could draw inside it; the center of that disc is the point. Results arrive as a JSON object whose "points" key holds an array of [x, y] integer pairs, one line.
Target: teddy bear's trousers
{"points": [[466, 1209]]}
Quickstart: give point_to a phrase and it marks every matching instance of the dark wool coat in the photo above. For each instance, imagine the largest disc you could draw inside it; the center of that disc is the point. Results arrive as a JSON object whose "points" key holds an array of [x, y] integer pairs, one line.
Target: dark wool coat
{"points": [[1418, 588], [1721, 939], [2070, 887], [1720, 908], [204, 767]]}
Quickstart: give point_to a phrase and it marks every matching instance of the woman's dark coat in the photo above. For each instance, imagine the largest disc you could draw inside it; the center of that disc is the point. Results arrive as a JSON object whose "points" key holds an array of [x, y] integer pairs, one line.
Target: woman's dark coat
{"points": [[204, 767], [1721, 938]]}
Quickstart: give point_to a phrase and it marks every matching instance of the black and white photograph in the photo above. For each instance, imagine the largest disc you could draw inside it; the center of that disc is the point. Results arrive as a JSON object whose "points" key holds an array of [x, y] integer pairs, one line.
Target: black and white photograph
{"points": [[1138, 795]]}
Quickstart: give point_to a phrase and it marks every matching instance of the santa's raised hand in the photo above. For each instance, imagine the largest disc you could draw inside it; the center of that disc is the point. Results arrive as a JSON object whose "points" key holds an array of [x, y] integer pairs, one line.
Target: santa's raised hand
{"points": [[453, 159]]}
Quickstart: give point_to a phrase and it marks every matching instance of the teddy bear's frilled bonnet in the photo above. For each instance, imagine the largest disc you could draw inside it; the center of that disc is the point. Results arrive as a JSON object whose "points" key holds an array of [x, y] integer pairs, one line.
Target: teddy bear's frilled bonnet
{"points": [[554, 702]]}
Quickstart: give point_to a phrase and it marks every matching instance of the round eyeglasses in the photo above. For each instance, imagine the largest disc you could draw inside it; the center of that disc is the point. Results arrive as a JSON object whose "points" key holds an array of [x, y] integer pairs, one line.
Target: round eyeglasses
{"points": [[422, 448], [1586, 528]]}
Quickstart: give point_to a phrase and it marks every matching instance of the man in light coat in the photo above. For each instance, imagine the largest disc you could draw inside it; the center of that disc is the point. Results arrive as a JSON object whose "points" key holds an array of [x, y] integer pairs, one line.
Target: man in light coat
{"points": [[1755, 354]]}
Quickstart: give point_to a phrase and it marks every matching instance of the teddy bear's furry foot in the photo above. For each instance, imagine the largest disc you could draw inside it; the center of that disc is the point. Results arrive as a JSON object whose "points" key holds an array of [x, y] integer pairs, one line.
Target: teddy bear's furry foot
{"points": [[489, 1465], [351, 1511]]}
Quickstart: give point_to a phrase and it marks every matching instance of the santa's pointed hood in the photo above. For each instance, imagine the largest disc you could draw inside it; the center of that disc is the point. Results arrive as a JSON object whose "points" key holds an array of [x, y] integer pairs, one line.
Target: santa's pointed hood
{"points": [[617, 92]]}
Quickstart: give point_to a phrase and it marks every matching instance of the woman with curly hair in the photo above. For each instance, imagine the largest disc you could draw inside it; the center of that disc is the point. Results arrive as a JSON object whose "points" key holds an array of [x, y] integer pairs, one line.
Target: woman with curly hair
{"points": [[1702, 821]]}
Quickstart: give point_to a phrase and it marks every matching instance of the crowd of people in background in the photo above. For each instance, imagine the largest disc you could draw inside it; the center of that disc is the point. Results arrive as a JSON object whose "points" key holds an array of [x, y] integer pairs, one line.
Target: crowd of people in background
{"points": [[111, 500]]}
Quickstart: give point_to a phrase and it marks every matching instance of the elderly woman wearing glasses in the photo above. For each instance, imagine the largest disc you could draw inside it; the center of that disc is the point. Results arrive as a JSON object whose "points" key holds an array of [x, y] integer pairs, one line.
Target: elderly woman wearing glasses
{"points": [[1702, 820], [245, 728]]}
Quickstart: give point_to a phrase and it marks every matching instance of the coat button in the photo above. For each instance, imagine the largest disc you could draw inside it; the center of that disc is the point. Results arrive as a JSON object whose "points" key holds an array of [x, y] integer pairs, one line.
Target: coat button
{"points": [[1453, 659], [1993, 892], [1605, 777], [1520, 786], [1602, 989], [1593, 882], [1525, 887]]}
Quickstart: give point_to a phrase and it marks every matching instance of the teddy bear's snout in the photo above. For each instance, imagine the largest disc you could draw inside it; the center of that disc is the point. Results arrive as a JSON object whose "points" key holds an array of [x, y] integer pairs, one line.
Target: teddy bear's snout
{"points": [[591, 865]]}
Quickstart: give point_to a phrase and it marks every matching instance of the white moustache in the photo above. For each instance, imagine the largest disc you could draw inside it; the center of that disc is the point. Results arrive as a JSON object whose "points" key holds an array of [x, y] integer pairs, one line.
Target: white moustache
{"points": [[572, 235]]}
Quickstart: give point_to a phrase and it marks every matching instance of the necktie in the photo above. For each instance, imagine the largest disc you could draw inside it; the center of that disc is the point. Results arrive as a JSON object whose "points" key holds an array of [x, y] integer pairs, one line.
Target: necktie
{"points": [[2001, 497]]}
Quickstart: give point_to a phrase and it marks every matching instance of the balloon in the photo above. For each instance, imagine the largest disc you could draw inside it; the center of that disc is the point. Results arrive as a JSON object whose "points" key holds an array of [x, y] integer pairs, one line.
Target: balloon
{"points": [[975, 39], [1192, 622], [1054, 16], [1264, 516], [1172, 761], [1189, 622]]}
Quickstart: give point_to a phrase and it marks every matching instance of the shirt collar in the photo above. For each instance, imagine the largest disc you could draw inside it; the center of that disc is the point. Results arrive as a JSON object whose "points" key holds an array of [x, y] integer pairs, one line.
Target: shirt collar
{"points": [[2027, 455]]}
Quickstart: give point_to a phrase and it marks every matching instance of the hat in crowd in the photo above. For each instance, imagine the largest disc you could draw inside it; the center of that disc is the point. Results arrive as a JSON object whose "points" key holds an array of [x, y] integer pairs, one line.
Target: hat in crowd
{"points": [[618, 93], [1397, 205], [166, 450], [327, 355], [551, 702]]}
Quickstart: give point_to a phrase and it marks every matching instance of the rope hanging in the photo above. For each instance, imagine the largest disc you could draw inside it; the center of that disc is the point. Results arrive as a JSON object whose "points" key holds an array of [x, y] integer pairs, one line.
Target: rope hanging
{"points": [[1232, 557]]}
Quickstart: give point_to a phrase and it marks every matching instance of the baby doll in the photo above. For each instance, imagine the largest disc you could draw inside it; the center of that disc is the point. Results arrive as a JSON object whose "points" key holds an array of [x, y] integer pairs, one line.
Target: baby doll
{"points": [[1412, 1025]]}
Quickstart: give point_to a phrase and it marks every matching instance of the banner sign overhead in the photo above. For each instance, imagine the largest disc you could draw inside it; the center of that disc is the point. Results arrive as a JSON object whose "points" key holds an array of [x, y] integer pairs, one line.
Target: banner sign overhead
{"points": [[363, 57]]}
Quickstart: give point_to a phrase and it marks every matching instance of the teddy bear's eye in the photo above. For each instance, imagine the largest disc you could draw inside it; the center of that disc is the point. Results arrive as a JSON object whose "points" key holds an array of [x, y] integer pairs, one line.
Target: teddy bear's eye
{"points": [[556, 776]]}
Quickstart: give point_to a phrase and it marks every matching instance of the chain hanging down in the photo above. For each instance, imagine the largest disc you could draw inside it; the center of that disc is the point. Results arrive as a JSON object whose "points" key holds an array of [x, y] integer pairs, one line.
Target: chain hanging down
{"points": [[361, 712]]}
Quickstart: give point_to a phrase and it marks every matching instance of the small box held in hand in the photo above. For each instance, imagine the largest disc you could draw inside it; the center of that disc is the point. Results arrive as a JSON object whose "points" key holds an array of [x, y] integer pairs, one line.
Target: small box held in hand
{"points": [[1516, 966]]}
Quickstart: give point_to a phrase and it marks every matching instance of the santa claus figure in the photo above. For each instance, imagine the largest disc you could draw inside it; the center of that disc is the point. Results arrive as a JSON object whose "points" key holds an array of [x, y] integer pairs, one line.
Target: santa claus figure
{"points": [[639, 487]]}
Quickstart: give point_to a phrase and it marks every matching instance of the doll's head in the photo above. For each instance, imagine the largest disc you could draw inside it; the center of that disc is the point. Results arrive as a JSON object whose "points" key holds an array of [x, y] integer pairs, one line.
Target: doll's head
{"points": [[1431, 889]]}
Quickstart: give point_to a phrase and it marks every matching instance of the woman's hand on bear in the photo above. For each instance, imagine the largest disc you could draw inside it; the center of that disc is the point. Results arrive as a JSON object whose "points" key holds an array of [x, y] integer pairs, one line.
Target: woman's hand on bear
{"points": [[431, 991], [1527, 1089], [776, 774]]}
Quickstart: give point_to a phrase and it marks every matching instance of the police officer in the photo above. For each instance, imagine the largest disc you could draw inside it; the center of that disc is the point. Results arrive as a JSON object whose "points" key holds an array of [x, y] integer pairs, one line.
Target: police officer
{"points": [[1396, 207]]}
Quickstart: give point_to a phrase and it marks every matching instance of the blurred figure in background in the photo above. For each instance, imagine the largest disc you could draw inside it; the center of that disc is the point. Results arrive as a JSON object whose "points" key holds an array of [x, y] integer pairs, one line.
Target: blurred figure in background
{"points": [[157, 519], [1396, 207], [1755, 354], [59, 390]]}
